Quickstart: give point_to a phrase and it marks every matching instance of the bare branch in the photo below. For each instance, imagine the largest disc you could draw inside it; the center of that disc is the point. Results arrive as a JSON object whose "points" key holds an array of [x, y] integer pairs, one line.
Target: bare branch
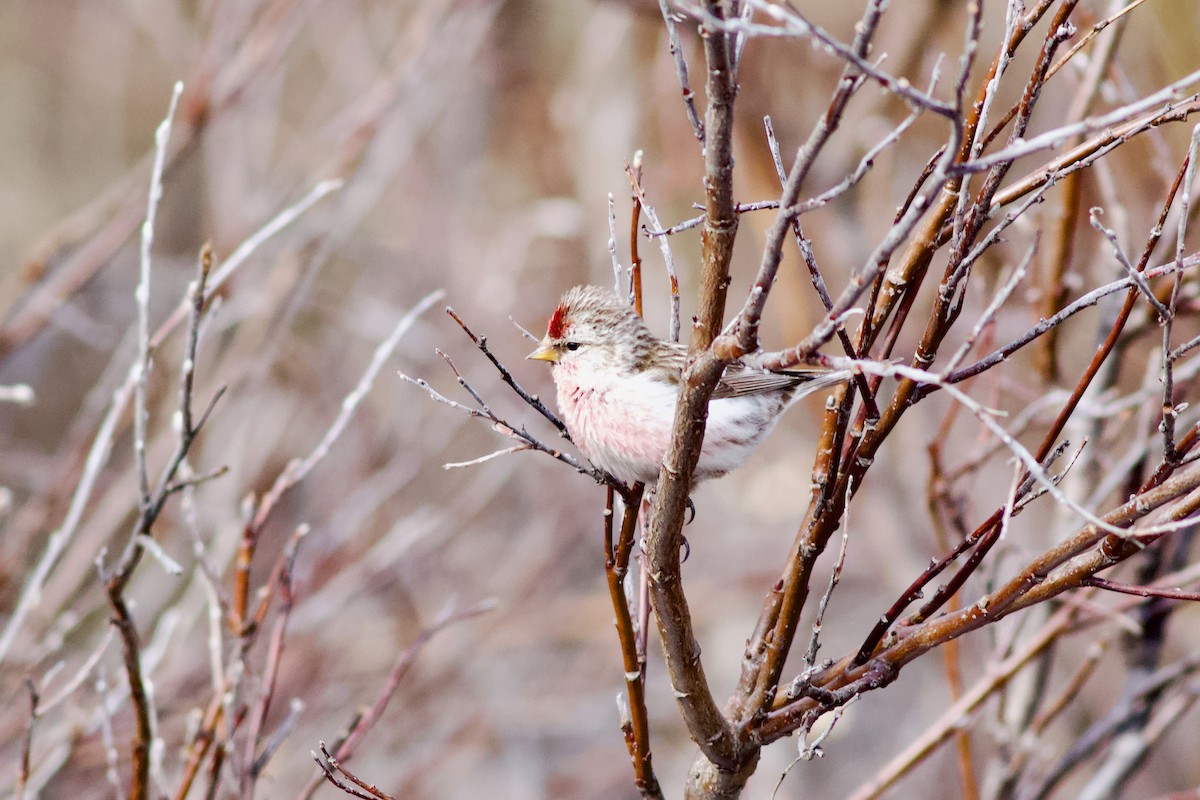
{"points": [[681, 71], [1127, 265]]}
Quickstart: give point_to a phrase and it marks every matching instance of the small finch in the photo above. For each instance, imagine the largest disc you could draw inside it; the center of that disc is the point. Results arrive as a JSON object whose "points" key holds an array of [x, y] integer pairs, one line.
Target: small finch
{"points": [[617, 385]]}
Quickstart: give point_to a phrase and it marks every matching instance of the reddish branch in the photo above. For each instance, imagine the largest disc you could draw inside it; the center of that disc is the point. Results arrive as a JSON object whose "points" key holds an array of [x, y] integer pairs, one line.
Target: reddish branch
{"points": [[616, 567]]}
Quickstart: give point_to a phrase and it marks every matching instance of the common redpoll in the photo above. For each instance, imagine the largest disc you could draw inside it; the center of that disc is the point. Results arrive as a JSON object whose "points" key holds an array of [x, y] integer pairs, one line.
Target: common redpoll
{"points": [[617, 385]]}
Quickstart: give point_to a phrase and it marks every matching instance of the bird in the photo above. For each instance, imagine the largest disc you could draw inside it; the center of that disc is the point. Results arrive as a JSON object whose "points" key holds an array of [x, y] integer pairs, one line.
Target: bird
{"points": [[617, 385]]}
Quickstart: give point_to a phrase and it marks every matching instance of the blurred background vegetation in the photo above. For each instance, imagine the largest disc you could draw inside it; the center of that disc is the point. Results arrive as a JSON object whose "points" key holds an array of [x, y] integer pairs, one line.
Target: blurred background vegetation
{"points": [[478, 142]]}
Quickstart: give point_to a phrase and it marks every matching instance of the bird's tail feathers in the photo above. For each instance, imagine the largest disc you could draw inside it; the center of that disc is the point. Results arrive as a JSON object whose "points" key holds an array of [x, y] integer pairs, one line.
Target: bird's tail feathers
{"points": [[819, 380]]}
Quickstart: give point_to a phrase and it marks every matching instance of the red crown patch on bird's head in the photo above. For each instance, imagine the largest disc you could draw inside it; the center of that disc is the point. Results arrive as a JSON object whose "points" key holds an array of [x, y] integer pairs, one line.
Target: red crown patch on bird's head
{"points": [[558, 324]]}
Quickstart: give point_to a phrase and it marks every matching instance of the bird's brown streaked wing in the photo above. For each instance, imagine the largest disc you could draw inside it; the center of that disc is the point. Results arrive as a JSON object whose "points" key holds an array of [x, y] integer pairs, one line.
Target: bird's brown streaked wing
{"points": [[740, 380], [667, 361]]}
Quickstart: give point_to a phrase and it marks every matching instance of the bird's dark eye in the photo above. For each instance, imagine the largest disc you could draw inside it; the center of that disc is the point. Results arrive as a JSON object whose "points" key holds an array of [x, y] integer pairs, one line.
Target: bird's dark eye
{"points": [[572, 345]]}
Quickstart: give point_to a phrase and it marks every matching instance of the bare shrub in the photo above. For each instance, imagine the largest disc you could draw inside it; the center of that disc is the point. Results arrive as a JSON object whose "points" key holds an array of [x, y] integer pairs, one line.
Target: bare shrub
{"points": [[230, 548]]}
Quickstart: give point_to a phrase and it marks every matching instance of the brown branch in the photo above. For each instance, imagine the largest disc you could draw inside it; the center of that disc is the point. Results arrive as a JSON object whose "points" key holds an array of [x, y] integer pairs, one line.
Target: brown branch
{"points": [[640, 205], [131, 650], [635, 216], [199, 746], [707, 726], [616, 566], [1055, 290]]}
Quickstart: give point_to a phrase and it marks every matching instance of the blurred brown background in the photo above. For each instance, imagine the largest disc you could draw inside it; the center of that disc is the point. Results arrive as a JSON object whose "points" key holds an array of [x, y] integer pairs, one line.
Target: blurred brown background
{"points": [[478, 142]]}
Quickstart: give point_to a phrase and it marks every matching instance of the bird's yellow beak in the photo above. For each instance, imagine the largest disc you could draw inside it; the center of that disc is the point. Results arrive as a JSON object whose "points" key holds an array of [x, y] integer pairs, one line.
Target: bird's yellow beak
{"points": [[545, 352]]}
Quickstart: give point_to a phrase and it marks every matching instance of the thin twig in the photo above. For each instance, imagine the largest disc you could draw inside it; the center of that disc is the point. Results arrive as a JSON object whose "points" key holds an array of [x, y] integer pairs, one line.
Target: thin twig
{"points": [[162, 137], [810, 750], [331, 767], [531, 399], [635, 717], [1142, 591], [527, 440], [663, 244], [990, 312], [814, 643], [1084, 301], [681, 71], [1169, 409], [612, 246], [1138, 280]]}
